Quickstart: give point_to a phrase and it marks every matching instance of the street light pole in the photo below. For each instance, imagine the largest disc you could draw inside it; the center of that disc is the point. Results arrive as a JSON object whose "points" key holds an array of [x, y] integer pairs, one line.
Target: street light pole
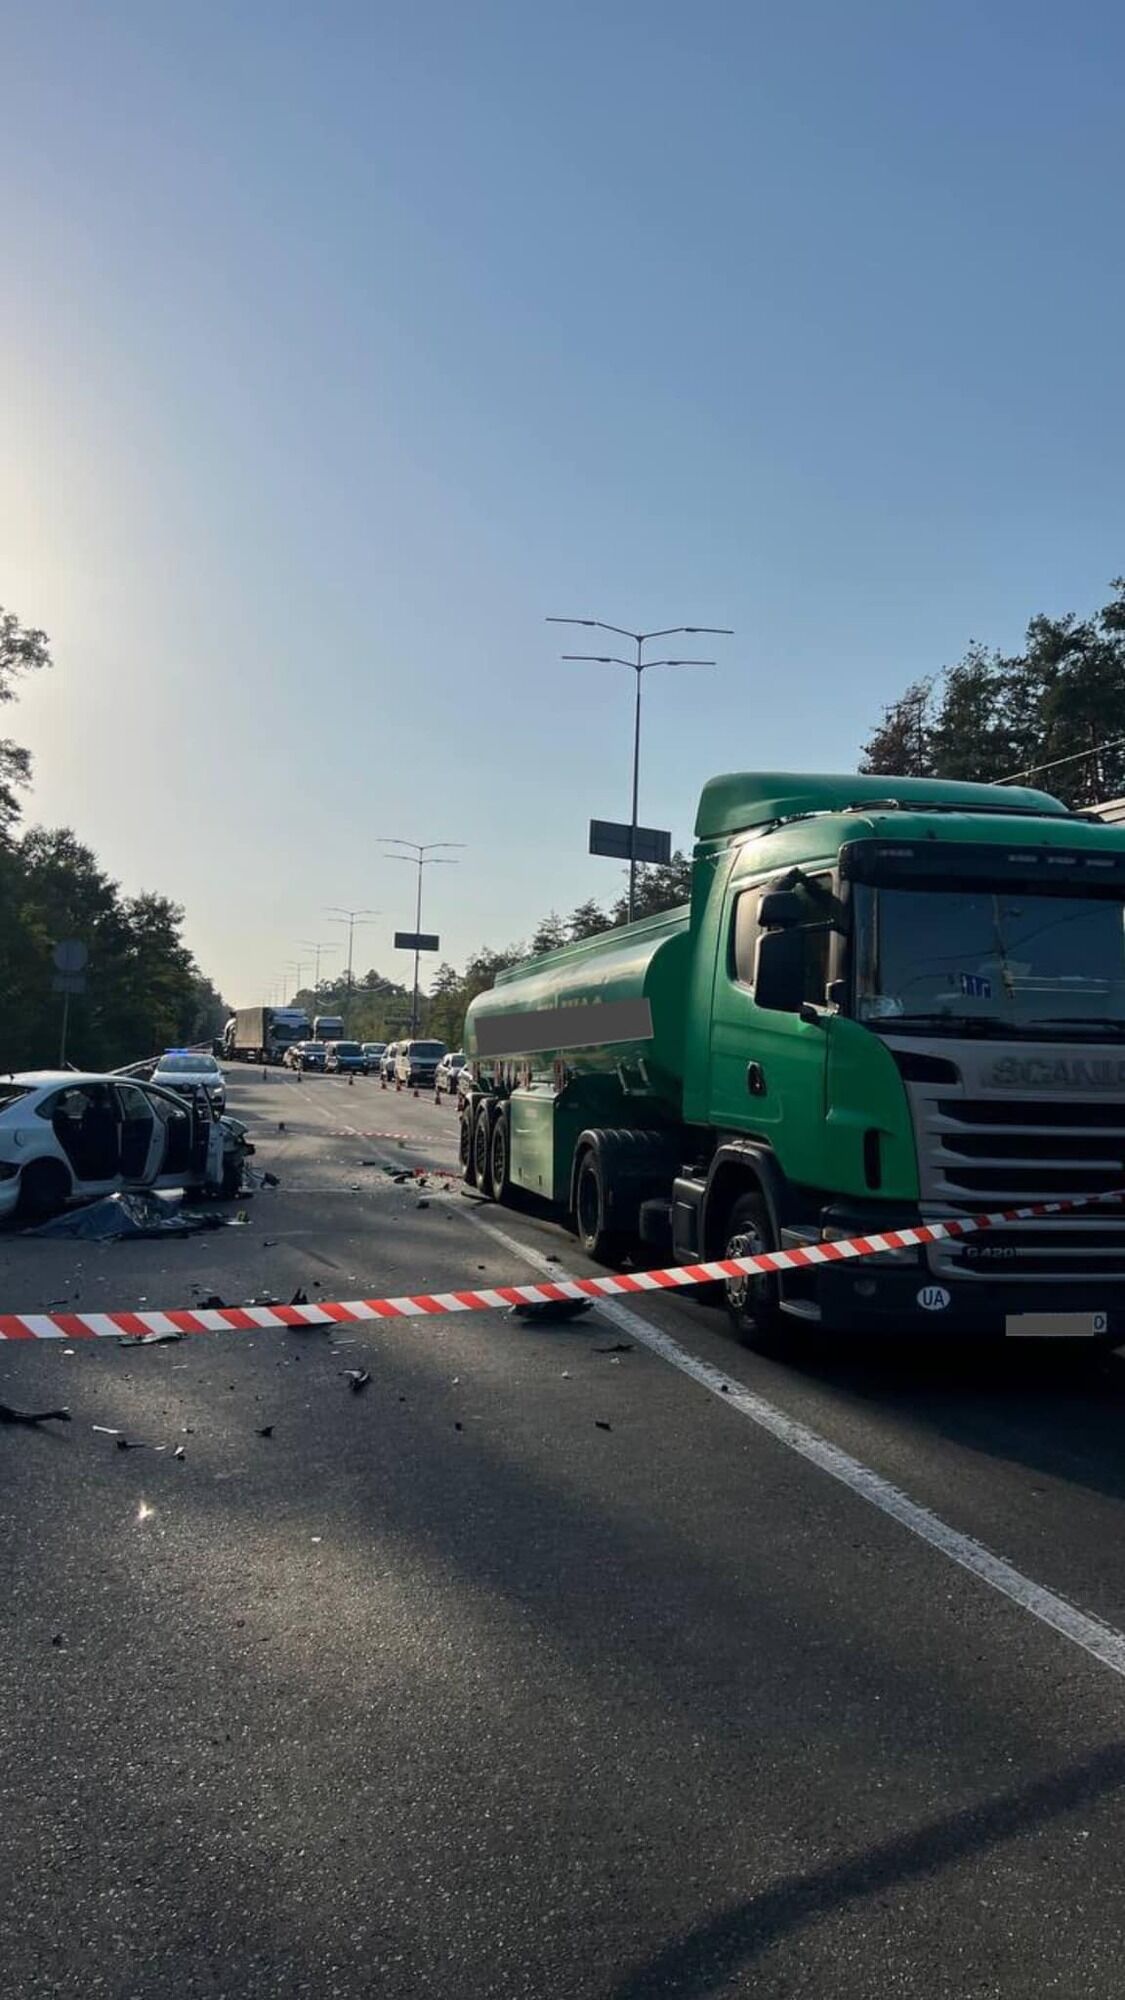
{"points": [[639, 665], [422, 857], [316, 945], [351, 918]]}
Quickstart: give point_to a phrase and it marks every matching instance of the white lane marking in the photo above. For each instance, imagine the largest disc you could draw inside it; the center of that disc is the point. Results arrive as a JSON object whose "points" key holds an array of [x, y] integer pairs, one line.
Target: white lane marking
{"points": [[1103, 1642]]}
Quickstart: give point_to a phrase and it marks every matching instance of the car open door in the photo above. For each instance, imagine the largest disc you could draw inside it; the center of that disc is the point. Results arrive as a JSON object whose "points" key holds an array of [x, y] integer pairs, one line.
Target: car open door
{"points": [[142, 1136]]}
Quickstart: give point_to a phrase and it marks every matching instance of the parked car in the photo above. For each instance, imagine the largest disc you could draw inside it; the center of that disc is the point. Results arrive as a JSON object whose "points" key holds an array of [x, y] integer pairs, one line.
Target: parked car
{"points": [[344, 1056], [447, 1073], [387, 1062], [188, 1069], [306, 1056], [416, 1062], [64, 1134]]}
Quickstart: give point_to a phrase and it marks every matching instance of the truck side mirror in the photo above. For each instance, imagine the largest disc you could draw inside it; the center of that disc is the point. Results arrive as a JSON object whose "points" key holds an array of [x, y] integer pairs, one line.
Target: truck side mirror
{"points": [[779, 981], [780, 909]]}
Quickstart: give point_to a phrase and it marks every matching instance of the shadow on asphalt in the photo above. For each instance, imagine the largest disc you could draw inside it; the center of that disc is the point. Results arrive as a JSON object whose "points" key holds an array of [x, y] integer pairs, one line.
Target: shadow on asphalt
{"points": [[1057, 1409], [706, 1959]]}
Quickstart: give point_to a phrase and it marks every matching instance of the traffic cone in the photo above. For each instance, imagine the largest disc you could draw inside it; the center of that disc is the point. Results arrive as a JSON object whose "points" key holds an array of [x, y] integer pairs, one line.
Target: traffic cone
{"points": [[351, 1079], [415, 1093]]}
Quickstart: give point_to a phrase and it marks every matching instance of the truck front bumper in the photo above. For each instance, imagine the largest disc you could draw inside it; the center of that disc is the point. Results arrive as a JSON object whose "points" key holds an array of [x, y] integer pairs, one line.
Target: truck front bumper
{"points": [[900, 1297]]}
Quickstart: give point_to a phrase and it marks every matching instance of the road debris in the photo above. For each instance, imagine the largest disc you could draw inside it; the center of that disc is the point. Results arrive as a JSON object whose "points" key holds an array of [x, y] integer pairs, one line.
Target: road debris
{"points": [[299, 1298], [179, 1453], [547, 1310], [358, 1378], [10, 1415], [618, 1347], [148, 1339], [265, 1431], [423, 1204], [601, 1425]]}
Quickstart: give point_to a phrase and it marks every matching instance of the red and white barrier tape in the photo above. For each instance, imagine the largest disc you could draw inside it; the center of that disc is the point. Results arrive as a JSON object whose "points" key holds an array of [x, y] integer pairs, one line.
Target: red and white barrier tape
{"points": [[246, 1319]]}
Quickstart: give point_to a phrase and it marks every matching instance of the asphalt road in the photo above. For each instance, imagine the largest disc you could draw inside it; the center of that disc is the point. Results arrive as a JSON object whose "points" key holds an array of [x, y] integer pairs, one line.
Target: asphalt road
{"points": [[534, 1669]]}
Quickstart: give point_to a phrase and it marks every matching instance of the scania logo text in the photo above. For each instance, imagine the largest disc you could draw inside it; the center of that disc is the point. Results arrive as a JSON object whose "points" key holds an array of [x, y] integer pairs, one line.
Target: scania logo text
{"points": [[1058, 1073]]}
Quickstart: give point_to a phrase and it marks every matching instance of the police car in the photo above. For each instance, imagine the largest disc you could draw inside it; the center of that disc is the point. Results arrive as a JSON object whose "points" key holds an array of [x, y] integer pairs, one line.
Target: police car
{"points": [[190, 1069]]}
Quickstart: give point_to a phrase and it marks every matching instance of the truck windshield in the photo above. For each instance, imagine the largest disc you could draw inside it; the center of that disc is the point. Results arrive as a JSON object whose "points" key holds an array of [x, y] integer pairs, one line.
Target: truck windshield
{"points": [[1000, 961]]}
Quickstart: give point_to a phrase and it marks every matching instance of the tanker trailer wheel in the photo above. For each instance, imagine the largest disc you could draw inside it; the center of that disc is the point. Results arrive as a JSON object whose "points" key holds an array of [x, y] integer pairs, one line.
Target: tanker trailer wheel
{"points": [[465, 1146], [482, 1145], [752, 1301], [500, 1157], [591, 1211]]}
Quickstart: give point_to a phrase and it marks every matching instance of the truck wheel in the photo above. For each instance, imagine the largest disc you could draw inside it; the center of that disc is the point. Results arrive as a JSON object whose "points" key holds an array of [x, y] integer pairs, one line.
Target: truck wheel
{"points": [[44, 1188], [591, 1210], [500, 1158], [752, 1302], [482, 1147], [465, 1147]]}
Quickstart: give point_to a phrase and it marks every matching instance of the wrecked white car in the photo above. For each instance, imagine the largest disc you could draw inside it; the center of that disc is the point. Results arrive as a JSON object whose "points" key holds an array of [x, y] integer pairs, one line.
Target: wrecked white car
{"points": [[65, 1136]]}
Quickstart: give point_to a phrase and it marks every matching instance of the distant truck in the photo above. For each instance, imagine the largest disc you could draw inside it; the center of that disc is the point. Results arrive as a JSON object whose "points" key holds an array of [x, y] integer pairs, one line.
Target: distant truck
{"points": [[262, 1034], [890, 1000], [328, 1028]]}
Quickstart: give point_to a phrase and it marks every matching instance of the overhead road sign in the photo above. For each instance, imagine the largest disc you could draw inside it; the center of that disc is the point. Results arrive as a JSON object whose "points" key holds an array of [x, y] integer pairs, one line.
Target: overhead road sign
{"points": [[614, 838]]}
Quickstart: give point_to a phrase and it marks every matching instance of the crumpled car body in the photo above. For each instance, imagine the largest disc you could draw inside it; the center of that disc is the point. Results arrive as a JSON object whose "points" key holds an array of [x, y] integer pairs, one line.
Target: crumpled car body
{"points": [[65, 1136]]}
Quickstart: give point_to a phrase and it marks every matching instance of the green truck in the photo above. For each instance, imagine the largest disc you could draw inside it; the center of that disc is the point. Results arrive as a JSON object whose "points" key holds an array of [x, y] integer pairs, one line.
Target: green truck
{"points": [[889, 1000]]}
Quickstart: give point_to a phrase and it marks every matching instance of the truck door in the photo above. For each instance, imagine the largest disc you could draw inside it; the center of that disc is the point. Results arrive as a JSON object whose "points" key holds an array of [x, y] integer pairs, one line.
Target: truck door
{"points": [[768, 1067]]}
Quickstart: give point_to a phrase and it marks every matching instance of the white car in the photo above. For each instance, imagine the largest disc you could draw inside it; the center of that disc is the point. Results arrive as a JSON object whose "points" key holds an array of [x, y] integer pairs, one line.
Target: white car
{"points": [[63, 1134], [448, 1071], [190, 1069]]}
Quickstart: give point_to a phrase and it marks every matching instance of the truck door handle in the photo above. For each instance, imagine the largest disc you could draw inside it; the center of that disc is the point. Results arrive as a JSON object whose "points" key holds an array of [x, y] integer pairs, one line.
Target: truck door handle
{"points": [[755, 1079]]}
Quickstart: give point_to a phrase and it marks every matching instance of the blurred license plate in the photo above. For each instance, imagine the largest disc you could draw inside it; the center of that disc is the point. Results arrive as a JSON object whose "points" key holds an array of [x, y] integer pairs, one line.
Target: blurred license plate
{"points": [[1056, 1326]]}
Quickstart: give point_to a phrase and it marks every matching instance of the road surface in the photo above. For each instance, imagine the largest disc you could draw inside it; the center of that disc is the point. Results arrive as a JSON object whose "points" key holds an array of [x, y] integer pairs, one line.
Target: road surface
{"points": [[536, 1668]]}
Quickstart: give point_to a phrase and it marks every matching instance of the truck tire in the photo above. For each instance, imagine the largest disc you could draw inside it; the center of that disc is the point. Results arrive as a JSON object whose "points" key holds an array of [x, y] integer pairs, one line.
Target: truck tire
{"points": [[482, 1146], [45, 1187], [752, 1302], [591, 1208], [465, 1146], [500, 1157]]}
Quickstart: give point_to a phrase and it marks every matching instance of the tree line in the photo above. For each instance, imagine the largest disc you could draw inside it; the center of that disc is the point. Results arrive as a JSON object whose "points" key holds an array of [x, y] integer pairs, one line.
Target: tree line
{"points": [[377, 1009], [1052, 714], [143, 989]]}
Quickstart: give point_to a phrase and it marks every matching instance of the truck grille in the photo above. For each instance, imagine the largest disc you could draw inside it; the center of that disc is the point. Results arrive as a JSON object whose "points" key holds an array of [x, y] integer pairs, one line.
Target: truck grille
{"points": [[984, 1149]]}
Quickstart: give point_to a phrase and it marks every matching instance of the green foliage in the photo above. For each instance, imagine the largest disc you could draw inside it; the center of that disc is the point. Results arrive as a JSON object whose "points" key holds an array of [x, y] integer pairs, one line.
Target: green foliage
{"points": [[1060, 703], [23, 650], [143, 989]]}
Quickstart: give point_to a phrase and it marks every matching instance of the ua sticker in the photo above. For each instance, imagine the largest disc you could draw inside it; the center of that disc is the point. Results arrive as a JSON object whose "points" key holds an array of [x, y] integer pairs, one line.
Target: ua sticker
{"points": [[934, 1298]]}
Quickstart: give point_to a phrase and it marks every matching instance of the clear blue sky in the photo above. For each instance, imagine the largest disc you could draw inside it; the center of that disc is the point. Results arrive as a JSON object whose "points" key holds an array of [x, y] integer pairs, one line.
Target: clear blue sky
{"points": [[342, 344]]}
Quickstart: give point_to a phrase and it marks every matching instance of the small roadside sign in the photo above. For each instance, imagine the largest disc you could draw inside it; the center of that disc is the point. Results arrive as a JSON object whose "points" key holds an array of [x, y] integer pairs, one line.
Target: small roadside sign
{"points": [[70, 956]]}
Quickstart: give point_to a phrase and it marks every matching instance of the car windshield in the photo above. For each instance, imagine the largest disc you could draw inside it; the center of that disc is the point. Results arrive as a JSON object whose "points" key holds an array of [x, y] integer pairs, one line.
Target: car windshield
{"points": [[1001, 961], [427, 1049], [348, 1049], [455, 1058], [186, 1065]]}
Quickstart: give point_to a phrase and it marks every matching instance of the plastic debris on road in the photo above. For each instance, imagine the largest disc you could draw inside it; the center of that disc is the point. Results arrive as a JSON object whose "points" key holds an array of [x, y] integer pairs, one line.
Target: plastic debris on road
{"points": [[10, 1415], [547, 1310]]}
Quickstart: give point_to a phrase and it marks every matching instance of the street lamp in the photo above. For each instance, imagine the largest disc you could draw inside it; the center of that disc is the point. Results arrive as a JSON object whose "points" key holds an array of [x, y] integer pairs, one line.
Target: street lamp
{"points": [[351, 918], [422, 857], [639, 665], [318, 945], [296, 967]]}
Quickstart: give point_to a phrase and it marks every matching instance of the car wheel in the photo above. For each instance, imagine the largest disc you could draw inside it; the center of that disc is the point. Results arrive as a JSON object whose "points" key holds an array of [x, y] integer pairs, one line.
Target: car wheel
{"points": [[752, 1301], [591, 1211], [45, 1187]]}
